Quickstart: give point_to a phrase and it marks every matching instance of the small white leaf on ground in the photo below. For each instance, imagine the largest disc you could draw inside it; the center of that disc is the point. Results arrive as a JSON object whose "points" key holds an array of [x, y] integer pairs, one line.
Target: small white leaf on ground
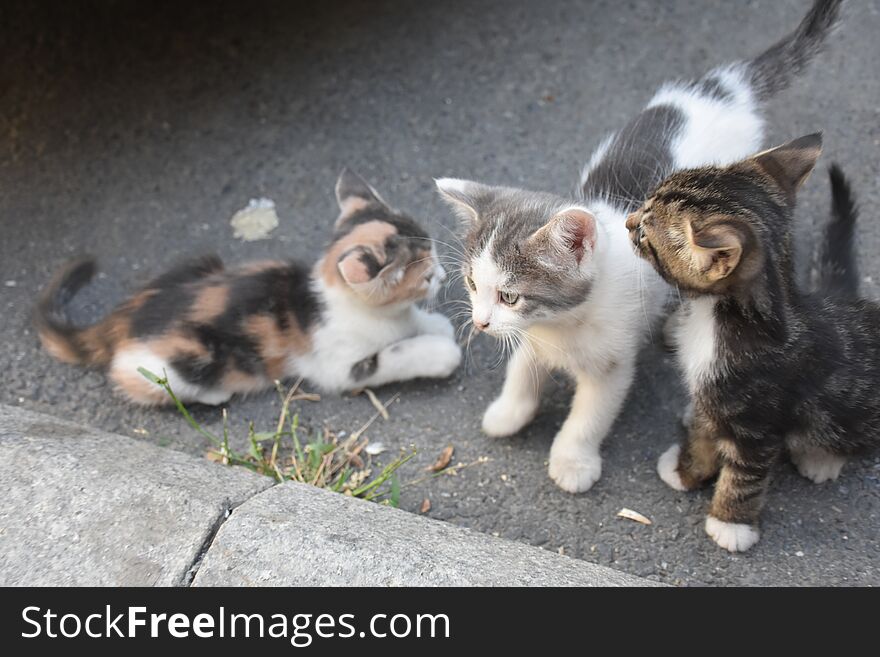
{"points": [[255, 221], [629, 514], [375, 448]]}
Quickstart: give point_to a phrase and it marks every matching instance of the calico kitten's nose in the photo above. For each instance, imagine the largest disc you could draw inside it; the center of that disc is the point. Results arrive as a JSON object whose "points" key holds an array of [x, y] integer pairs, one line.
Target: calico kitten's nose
{"points": [[481, 325]]}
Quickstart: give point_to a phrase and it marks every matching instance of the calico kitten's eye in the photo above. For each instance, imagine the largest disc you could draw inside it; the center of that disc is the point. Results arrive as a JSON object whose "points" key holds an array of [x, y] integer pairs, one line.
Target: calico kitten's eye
{"points": [[470, 283], [509, 298]]}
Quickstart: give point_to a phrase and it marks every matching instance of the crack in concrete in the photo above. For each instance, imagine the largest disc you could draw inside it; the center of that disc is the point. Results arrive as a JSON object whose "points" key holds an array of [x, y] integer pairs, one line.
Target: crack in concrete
{"points": [[191, 572], [226, 512]]}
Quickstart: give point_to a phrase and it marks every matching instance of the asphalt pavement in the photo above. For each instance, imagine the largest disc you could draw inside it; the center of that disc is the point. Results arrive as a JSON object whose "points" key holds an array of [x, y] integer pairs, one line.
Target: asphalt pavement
{"points": [[135, 130]]}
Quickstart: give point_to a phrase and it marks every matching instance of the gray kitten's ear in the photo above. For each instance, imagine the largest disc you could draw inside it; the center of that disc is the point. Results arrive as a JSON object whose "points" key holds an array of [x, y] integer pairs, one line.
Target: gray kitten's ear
{"points": [[353, 193], [465, 197], [791, 164], [570, 233]]}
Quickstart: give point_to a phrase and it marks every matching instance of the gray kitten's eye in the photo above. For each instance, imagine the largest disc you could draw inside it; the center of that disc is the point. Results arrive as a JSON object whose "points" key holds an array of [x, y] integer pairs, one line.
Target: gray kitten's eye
{"points": [[470, 283], [509, 298]]}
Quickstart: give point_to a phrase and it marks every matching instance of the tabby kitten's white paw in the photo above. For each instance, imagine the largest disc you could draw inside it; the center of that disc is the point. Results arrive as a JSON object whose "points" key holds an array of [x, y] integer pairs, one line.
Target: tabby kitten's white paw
{"points": [[573, 470], [667, 468], [732, 536], [505, 417], [817, 465]]}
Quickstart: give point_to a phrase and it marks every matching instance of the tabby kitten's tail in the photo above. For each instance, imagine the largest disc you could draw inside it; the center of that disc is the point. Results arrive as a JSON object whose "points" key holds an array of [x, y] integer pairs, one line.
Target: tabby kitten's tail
{"points": [[64, 341], [836, 272], [773, 70]]}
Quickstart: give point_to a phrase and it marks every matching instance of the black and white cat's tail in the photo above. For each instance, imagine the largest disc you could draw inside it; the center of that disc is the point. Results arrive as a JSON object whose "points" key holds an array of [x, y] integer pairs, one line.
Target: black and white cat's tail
{"points": [[836, 272], [773, 70], [60, 338]]}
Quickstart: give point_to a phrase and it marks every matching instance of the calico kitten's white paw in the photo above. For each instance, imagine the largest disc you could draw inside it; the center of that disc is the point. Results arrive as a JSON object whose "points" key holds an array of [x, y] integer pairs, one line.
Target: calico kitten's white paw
{"points": [[444, 359], [817, 465], [667, 468], [214, 397], [574, 471], [437, 324], [732, 536], [505, 417]]}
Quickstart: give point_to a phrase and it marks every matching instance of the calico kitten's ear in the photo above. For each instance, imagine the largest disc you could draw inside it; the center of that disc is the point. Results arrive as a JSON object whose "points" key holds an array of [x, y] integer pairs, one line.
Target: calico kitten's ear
{"points": [[359, 265], [465, 197], [353, 193], [571, 232], [791, 164], [717, 250]]}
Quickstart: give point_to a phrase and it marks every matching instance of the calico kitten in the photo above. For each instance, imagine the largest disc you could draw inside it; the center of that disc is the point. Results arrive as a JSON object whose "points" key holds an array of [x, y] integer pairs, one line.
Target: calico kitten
{"points": [[350, 322], [770, 369], [558, 275]]}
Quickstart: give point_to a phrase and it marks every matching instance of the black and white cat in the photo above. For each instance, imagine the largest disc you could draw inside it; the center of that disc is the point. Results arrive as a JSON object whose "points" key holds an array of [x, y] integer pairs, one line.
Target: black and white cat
{"points": [[558, 275]]}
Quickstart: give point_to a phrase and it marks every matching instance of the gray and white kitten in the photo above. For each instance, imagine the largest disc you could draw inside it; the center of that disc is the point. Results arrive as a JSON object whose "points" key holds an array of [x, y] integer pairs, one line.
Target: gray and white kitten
{"points": [[558, 275]]}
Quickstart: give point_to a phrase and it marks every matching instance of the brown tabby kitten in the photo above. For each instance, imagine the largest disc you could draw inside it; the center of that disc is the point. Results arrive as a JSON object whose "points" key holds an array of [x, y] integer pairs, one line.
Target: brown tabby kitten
{"points": [[350, 321], [770, 368]]}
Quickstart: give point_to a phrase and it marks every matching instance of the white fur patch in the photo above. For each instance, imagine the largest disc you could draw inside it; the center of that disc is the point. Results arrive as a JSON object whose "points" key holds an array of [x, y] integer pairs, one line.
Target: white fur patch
{"points": [[732, 536], [489, 279], [718, 131], [129, 360], [667, 468], [695, 338], [573, 468], [407, 342], [505, 417]]}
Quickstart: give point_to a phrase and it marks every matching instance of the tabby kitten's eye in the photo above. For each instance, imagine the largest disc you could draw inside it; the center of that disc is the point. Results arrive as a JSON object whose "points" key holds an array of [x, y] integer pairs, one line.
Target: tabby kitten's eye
{"points": [[470, 283], [509, 298]]}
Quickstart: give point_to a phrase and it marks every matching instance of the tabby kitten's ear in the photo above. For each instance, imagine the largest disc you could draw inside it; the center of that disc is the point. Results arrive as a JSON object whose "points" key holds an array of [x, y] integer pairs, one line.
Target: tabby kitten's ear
{"points": [[570, 233], [466, 198], [791, 164], [353, 193], [717, 250]]}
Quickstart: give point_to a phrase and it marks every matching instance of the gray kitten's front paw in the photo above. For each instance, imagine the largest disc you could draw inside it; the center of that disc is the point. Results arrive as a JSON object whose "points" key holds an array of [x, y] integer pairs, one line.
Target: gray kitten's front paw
{"points": [[573, 469], [505, 417]]}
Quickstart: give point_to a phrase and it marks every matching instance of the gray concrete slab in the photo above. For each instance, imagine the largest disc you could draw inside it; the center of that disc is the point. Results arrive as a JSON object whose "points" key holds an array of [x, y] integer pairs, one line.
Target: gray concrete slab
{"points": [[135, 130], [86, 508], [299, 535]]}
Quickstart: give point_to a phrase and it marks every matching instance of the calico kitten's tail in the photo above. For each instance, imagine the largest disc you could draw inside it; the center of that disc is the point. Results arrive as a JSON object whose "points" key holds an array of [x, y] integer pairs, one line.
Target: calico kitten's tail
{"points": [[836, 272], [61, 339], [773, 70]]}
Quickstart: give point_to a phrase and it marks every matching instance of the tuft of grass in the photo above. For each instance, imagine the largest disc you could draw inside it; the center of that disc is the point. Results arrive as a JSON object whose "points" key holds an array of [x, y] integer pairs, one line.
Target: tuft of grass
{"points": [[326, 460]]}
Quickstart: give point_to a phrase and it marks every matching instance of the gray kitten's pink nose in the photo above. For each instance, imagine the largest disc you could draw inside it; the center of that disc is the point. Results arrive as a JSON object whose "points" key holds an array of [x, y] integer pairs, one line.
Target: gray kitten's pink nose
{"points": [[481, 326]]}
